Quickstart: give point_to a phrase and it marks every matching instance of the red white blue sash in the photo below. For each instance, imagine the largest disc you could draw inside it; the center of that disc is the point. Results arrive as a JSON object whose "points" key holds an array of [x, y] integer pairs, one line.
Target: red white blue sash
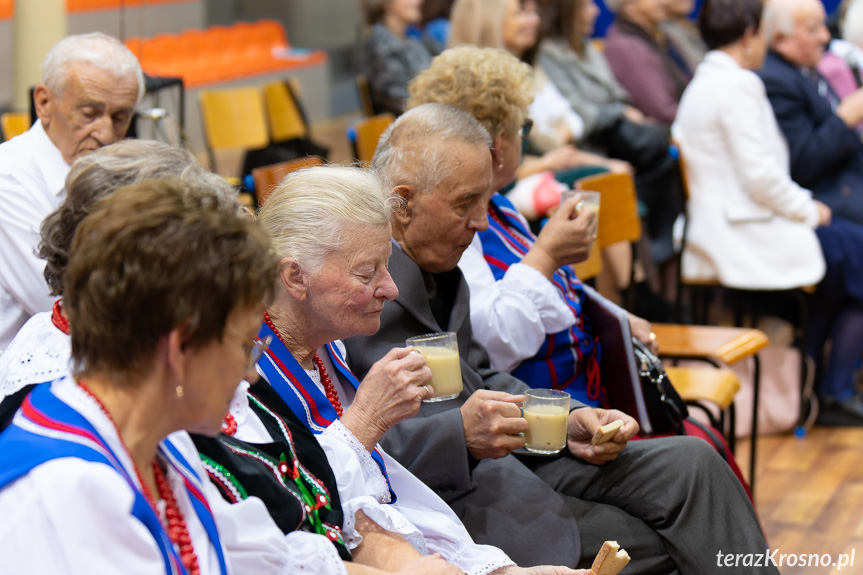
{"points": [[297, 389], [47, 428], [567, 359]]}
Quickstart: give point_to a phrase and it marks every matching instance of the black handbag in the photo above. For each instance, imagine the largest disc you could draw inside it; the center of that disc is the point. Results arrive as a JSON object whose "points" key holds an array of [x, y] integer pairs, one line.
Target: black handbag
{"points": [[665, 408], [642, 145]]}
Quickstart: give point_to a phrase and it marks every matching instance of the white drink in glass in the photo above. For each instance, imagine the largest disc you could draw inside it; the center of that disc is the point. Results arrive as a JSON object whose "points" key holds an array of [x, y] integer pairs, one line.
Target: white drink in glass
{"points": [[440, 351], [546, 431], [446, 372], [547, 413]]}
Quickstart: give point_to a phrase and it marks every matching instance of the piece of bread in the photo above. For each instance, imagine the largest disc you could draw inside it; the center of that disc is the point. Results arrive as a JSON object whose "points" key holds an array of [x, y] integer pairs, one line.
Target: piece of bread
{"points": [[610, 559], [606, 432]]}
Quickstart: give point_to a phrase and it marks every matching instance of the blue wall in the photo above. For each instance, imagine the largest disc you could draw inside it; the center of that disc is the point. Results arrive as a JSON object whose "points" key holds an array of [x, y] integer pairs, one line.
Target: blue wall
{"points": [[605, 17]]}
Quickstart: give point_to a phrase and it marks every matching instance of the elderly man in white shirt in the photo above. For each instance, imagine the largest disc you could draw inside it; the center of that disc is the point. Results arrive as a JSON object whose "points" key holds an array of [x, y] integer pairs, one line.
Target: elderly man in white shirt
{"points": [[90, 86]]}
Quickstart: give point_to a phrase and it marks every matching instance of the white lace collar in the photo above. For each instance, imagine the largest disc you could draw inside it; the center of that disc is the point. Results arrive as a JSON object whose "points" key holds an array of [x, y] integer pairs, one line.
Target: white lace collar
{"points": [[40, 352]]}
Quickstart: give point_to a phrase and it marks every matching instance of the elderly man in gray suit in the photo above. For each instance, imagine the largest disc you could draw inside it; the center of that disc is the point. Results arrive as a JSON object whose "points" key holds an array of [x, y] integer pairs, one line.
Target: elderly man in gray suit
{"points": [[672, 503]]}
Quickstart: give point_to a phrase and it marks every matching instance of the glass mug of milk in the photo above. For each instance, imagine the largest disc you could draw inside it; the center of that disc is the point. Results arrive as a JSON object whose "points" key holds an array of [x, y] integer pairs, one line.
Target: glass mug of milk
{"points": [[440, 351], [589, 198], [546, 412]]}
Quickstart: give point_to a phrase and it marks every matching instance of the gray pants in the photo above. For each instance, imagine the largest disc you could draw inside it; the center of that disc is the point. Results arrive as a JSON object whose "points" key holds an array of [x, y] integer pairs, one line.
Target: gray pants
{"points": [[672, 503], [684, 519]]}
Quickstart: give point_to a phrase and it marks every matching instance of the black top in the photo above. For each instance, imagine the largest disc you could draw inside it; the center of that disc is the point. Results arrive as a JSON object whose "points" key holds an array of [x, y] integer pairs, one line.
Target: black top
{"points": [[441, 289], [272, 480], [10, 404]]}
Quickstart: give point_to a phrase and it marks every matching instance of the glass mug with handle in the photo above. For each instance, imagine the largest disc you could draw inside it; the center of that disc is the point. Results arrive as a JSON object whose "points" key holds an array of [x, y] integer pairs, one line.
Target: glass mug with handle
{"points": [[440, 351], [589, 199]]}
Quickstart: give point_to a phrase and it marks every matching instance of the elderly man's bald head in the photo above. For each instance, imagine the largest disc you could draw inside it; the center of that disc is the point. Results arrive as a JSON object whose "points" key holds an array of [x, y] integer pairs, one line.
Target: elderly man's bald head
{"points": [[437, 158], [413, 150], [796, 30]]}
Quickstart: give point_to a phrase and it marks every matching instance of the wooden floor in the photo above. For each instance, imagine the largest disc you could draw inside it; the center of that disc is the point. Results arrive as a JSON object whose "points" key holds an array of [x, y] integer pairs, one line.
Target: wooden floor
{"points": [[809, 495]]}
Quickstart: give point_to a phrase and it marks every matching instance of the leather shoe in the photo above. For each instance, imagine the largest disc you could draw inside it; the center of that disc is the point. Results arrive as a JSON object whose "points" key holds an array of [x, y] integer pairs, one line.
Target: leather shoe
{"points": [[846, 412]]}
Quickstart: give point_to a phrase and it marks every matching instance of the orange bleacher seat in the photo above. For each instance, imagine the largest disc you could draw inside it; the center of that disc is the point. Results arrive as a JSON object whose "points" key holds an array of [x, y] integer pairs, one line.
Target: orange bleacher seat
{"points": [[271, 32], [136, 46], [7, 9], [197, 61], [86, 5], [250, 59], [221, 53], [162, 56]]}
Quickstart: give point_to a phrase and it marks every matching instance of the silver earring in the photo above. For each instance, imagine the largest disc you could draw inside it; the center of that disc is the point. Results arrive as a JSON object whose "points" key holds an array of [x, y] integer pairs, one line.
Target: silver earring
{"points": [[500, 166]]}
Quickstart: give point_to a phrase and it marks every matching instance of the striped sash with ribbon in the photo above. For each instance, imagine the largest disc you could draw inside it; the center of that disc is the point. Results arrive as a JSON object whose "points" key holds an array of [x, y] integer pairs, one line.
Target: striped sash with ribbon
{"points": [[297, 389], [567, 359], [47, 428]]}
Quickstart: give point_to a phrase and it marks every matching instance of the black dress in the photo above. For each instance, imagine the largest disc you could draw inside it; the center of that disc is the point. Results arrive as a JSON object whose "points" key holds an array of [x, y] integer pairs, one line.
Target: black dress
{"points": [[291, 475]]}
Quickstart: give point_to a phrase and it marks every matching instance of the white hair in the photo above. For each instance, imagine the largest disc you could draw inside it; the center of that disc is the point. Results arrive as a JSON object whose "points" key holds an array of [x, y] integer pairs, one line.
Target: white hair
{"points": [[95, 49], [414, 149], [313, 212], [778, 18], [852, 24]]}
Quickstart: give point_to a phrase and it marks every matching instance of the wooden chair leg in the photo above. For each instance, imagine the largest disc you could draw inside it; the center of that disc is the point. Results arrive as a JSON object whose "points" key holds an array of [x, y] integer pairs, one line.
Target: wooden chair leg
{"points": [[756, 384], [801, 338]]}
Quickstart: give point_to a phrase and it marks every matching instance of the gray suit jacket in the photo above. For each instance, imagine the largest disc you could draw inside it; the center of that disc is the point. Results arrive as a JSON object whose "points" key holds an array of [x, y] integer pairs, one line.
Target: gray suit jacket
{"points": [[501, 501]]}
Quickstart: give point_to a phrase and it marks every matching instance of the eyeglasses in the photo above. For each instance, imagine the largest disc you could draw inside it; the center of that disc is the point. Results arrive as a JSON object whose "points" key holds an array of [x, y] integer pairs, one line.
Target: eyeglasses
{"points": [[256, 350], [525, 128]]}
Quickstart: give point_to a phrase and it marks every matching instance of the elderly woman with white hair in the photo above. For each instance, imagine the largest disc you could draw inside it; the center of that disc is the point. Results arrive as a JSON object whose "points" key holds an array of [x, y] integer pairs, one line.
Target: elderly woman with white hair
{"points": [[331, 227], [239, 469]]}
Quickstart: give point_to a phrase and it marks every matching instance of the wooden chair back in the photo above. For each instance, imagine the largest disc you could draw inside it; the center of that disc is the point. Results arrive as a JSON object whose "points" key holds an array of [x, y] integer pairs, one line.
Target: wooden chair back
{"points": [[592, 266], [368, 132], [618, 207], [266, 178], [365, 94], [14, 124], [233, 119], [284, 111]]}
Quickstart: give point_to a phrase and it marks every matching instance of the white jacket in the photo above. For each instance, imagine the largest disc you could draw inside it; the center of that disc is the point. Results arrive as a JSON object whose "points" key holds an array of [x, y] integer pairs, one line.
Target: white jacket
{"points": [[750, 225]]}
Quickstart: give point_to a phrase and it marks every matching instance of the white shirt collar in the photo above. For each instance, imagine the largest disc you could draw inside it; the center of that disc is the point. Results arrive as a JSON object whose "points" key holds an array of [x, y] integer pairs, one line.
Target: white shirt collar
{"points": [[50, 162]]}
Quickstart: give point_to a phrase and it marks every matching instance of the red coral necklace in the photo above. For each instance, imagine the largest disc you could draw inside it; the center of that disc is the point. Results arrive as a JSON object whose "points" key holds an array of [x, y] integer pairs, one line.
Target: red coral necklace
{"points": [[178, 532], [329, 388], [57, 318]]}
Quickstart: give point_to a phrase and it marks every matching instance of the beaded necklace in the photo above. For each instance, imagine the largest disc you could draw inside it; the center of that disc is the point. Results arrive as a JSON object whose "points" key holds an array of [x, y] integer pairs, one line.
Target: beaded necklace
{"points": [[329, 388], [177, 530], [57, 318]]}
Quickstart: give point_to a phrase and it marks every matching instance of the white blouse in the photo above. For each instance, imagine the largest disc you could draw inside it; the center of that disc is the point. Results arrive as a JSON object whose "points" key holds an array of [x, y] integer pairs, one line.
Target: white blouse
{"points": [[41, 352], [513, 316]]}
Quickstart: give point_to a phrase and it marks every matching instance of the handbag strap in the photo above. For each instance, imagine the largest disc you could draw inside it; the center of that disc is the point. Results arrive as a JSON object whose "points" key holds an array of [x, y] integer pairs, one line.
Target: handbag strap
{"points": [[650, 367]]}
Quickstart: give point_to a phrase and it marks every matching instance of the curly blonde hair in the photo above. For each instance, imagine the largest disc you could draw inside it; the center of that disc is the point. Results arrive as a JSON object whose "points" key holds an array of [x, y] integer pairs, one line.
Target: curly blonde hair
{"points": [[488, 83]]}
